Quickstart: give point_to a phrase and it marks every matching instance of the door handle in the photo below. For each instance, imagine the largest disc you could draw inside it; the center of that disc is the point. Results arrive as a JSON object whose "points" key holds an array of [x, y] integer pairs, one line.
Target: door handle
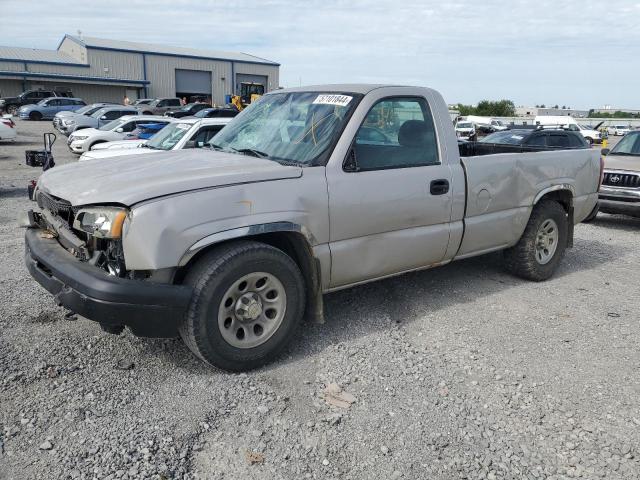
{"points": [[439, 187]]}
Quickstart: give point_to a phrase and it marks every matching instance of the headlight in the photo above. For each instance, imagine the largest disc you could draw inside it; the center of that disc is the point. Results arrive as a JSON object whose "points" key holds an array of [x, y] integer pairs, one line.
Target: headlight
{"points": [[68, 122], [73, 139], [101, 222]]}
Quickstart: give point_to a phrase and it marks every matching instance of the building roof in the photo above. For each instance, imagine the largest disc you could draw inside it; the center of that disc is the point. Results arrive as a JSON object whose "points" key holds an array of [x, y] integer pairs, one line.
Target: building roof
{"points": [[139, 47], [36, 55]]}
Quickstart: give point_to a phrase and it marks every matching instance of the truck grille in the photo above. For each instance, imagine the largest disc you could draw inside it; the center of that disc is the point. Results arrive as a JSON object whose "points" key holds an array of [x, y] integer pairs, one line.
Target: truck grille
{"points": [[57, 206], [628, 180]]}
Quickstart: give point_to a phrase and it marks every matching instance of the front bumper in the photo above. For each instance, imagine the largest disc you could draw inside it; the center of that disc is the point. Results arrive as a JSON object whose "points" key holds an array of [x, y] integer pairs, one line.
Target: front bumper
{"points": [[76, 146], [148, 309], [619, 201]]}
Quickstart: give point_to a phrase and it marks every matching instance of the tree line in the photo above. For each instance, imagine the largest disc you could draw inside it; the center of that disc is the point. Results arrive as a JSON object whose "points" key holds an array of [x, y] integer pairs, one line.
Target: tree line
{"points": [[489, 108]]}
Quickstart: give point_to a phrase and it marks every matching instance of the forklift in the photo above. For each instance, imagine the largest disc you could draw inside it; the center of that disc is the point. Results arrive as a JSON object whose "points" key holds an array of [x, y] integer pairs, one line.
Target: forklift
{"points": [[249, 93]]}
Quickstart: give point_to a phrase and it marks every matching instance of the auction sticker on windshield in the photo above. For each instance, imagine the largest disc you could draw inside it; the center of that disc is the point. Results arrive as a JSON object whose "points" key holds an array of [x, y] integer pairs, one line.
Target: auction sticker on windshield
{"points": [[339, 100]]}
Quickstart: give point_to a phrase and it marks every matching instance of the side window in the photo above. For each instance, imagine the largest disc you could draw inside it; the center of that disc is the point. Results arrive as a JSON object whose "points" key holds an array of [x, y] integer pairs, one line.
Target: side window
{"points": [[205, 134], [113, 114], [54, 103], [65, 102], [558, 140], [162, 103], [174, 102], [537, 140], [397, 133], [577, 141]]}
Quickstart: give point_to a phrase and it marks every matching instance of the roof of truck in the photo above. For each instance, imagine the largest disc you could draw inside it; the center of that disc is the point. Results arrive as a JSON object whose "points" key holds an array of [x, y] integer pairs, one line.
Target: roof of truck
{"points": [[363, 88]]}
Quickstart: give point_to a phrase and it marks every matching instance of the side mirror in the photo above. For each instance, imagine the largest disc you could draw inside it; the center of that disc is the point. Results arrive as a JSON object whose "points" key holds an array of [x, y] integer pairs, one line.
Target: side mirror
{"points": [[605, 151], [190, 144], [119, 130]]}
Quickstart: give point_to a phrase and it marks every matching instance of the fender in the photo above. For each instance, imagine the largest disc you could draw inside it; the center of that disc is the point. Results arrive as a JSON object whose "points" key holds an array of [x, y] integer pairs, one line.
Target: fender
{"points": [[555, 188], [246, 231]]}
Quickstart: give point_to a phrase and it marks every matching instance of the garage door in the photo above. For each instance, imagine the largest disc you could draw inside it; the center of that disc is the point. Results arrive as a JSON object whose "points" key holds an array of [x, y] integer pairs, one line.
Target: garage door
{"points": [[193, 81]]}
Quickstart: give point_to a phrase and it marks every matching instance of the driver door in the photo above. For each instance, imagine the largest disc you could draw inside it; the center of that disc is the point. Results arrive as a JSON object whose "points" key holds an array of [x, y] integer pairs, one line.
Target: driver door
{"points": [[390, 203]]}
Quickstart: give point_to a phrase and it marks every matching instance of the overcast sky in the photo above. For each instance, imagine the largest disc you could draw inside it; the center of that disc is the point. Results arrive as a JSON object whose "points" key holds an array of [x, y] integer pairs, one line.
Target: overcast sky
{"points": [[580, 53]]}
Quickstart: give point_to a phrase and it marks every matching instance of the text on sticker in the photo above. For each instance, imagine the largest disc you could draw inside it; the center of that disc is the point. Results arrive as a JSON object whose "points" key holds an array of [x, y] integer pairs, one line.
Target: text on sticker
{"points": [[340, 100]]}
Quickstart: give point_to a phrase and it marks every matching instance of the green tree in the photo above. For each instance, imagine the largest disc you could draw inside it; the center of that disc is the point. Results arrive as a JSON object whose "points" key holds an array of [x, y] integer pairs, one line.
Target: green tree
{"points": [[489, 108]]}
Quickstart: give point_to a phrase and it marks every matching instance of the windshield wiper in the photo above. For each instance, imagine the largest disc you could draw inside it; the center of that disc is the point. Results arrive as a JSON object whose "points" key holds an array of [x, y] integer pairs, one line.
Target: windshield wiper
{"points": [[253, 152]]}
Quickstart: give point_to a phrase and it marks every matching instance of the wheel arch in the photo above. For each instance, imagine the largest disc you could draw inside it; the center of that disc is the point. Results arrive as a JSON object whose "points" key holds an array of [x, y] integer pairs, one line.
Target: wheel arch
{"points": [[294, 240]]}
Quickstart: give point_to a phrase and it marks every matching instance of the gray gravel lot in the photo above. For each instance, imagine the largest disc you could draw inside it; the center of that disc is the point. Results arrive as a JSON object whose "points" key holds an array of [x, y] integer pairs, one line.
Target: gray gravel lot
{"points": [[458, 372]]}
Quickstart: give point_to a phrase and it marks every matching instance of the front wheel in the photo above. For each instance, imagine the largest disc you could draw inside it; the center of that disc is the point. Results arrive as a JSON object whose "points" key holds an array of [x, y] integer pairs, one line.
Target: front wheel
{"points": [[541, 247], [35, 116], [248, 300], [589, 140], [592, 216]]}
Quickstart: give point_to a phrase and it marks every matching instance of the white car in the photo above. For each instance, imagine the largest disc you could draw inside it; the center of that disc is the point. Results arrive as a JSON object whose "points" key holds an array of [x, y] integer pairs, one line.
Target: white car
{"points": [[183, 133], [465, 130], [83, 140], [117, 145], [616, 130], [7, 128]]}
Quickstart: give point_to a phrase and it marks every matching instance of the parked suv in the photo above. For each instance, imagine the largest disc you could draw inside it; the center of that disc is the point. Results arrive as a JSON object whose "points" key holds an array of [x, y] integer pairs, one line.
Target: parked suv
{"points": [[620, 190], [188, 110], [28, 97], [46, 109], [67, 114], [540, 138], [81, 141], [159, 106], [96, 119]]}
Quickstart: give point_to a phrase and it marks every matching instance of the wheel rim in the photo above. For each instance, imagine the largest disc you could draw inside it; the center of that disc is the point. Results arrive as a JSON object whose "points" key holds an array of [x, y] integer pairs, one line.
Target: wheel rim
{"points": [[252, 310], [546, 241]]}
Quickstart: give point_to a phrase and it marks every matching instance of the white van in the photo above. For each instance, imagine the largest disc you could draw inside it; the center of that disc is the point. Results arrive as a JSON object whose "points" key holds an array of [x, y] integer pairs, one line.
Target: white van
{"points": [[564, 121]]}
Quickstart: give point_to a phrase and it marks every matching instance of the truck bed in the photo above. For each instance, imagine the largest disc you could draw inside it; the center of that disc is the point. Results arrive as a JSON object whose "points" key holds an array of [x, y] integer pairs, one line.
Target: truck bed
{"points": [[477, 149], [502, 187]]}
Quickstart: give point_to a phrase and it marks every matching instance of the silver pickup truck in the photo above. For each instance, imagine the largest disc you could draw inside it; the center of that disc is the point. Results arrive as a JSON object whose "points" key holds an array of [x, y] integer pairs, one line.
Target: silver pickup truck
{"points": [[307, 191]]}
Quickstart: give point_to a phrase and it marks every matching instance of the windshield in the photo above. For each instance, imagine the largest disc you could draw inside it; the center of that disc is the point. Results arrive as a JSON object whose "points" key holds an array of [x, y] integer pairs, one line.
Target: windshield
{"points": [[43, 103], [464, 125], [297, 127], [112, 125], [84, 109], [167, 137], [203, 113], [509, 137], [629, 145]]}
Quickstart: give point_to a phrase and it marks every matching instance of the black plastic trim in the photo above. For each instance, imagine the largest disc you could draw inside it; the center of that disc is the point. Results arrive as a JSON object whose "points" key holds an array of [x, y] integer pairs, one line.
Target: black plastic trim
{"points": [[148, 309]]}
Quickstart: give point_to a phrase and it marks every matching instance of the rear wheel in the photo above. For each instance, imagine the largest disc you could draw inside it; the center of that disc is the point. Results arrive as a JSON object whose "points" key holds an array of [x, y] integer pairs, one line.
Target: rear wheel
{"points": [[35, 116], [541, 247], [247, 303]]}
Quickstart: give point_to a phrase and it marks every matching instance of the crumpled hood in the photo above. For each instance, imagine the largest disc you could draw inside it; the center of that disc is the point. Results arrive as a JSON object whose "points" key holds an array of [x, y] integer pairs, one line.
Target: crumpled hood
{"points": [[127, 180], [622, 162]]}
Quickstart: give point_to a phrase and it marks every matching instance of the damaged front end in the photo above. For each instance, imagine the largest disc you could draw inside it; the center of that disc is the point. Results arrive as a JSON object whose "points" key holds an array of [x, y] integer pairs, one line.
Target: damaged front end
{"points": [[92, 234], [76, 254]]}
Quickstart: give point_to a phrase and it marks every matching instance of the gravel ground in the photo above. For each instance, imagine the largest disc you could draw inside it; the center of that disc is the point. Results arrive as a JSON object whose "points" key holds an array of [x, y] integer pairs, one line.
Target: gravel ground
{"points": [[458, 372]]}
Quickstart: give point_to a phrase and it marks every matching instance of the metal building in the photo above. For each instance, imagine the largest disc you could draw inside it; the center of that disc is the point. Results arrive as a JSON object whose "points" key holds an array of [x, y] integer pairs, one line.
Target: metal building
{"points": [[97, 69]]}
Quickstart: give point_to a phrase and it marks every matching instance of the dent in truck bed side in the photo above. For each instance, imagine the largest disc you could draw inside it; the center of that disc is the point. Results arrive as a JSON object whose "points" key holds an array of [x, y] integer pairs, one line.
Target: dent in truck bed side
{"points": [[502, 189]]}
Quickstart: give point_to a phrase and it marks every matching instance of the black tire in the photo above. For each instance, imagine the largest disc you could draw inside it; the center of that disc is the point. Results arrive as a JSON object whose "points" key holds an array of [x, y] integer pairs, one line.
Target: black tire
{"points": [[212, 276], [521, 259], [147, 113], [592, 216], [589, 140], [37, 116], [96, 143], [12, 109]]}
